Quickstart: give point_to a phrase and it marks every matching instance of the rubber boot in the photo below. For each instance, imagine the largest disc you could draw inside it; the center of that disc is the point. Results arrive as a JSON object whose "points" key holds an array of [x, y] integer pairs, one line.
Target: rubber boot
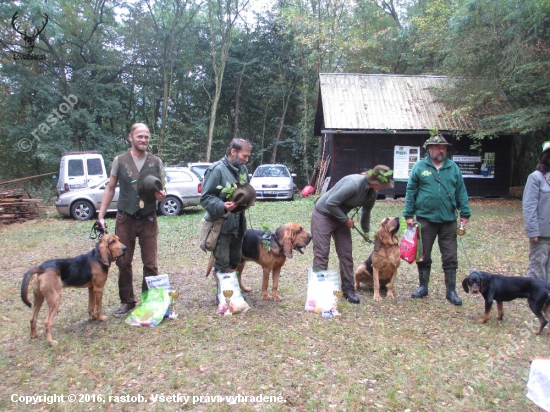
{"points": [[423, 279], [450, 285]]}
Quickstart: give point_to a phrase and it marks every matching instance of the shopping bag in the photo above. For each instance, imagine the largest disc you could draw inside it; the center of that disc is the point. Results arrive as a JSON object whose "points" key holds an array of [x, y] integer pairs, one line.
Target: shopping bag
{"points": [[409, 247]]}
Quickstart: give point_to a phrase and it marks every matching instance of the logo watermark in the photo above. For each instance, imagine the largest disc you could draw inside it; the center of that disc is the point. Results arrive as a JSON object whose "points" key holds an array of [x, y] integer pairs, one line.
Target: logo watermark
{"points": [[29, 37], [25, 145]]}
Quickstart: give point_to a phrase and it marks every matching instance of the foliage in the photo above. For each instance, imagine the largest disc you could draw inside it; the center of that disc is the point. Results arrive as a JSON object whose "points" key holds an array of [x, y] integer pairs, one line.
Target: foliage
{"points": [[231, 187]]}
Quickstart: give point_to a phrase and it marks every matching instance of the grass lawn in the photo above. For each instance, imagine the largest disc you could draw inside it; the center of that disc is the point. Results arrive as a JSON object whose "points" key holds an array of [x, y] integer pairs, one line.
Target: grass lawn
{"points": [[401, 355]]}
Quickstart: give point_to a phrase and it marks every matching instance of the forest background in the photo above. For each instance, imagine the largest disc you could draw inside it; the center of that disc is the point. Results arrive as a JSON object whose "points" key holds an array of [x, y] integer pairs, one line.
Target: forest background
{"points": [[200, 72]]}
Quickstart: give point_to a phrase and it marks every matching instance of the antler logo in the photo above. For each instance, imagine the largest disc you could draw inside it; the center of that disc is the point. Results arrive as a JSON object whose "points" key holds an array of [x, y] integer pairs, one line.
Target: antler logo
{"points": [[28, 38]]}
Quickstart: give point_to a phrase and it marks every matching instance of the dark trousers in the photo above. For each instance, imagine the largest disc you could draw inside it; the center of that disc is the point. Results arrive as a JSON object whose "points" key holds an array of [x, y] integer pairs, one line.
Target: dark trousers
{"points": [[227, 253], [128, 228], [323, 228], [446, 238]]}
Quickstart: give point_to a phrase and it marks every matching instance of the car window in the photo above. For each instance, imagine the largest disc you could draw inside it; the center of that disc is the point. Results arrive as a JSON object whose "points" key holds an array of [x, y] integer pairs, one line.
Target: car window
{"points": [[272, 171], [76, 167], [199, 170], [178, 177], [94, 166]]}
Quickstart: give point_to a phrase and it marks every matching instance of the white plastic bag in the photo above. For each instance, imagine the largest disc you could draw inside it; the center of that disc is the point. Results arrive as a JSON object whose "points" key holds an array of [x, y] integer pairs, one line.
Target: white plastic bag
{"points": [[237, 304], [538, 386], [321, 285]]}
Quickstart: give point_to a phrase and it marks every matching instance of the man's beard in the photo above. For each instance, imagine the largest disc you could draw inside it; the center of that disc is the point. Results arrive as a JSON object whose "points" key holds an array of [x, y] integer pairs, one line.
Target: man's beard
{"points": [[238, 164], [437, 157]]}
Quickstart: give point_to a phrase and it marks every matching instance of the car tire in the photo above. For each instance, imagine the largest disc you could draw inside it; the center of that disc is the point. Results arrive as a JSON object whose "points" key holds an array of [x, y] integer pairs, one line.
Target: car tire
{"points": [[82, 210], [170, 206]]}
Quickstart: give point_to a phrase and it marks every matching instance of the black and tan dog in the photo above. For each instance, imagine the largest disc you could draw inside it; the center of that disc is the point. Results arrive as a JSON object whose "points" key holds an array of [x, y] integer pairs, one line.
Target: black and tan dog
{"points": [[380, 269], [291, 236], [88, 270], [501, 288]]}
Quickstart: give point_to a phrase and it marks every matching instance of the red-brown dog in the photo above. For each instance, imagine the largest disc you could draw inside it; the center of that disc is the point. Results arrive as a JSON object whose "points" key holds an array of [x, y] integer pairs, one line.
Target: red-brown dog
{"points": [[271, 255], [89, 270], [380, 269]]}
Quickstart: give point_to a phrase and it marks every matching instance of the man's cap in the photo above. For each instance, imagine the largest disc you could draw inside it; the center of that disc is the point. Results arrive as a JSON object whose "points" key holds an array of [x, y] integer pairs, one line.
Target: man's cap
{"points": [[436, 139], [149, 182], [380, 175], [244, 196]]}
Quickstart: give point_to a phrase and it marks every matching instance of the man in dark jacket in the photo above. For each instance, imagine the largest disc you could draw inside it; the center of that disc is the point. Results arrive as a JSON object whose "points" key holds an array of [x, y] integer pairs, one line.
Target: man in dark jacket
{"points": [[231, 169], [435, 191], [330, 220]]}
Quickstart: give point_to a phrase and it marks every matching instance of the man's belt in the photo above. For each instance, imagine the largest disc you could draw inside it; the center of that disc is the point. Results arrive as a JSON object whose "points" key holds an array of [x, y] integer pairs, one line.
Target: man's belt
{"points": [[137, 215]]}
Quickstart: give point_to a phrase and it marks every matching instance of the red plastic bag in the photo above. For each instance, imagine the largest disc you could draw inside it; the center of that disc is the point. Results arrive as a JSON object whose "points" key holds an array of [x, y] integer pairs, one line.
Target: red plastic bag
{"points": [[411, 244], [308, 190]]}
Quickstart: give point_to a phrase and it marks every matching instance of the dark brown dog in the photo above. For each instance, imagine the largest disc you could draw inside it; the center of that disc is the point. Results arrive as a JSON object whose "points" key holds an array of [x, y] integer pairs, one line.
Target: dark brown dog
{"points": [[501, 288], [380, 269], [89, 270], [270, 251]]}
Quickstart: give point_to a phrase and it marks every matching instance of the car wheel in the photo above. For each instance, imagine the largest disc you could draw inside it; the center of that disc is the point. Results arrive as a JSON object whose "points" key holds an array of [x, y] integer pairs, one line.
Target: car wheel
{"points": [[170, 206], [82, 210]]}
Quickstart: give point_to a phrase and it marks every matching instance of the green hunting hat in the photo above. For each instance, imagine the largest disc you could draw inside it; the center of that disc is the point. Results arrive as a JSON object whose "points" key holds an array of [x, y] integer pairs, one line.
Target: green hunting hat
{"points": [[436, 139], [149, 182], [244, 196], [380, 175]]}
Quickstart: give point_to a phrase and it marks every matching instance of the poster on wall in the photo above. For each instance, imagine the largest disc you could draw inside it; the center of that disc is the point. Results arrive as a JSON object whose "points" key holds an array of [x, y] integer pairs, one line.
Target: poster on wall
{"points": [[404, 158], [480, 167]]}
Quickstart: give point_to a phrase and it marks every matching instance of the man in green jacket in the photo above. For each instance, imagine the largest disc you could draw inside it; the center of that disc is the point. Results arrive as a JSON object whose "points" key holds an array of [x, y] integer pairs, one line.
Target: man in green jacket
{"points": [[231, 168], [435, 191], [330, 220]]}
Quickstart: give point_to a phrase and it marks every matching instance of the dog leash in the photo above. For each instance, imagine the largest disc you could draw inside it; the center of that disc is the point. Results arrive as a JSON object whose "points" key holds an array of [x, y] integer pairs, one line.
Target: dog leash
{"points": [[97, 231], [465, 254]]}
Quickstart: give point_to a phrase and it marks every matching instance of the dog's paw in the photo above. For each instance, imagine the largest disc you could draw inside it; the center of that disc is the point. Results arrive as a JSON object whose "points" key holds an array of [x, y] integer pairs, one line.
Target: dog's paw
{"points": [[103, 318], [53, 342], [245, 288], [265, 296], [482, 320], [277, 297], [377, 298]]}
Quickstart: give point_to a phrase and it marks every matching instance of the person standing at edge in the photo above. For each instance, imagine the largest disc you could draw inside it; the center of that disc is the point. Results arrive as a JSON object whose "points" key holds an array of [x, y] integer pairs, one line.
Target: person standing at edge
{"points": [[230, 168], [435, 191], [136, 215], [330, 220], [536, 215]]}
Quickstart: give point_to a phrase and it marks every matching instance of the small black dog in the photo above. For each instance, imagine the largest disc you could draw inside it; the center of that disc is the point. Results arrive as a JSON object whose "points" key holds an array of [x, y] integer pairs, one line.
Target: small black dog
{"points": [[506, 288]]}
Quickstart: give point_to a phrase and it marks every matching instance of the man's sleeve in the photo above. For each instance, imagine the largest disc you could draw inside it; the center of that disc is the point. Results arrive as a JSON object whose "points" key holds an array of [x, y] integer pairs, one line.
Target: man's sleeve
{"points": [[531, 195], [338, 195], [463, 203], [210, 199], [410, 194], [365, 212]]}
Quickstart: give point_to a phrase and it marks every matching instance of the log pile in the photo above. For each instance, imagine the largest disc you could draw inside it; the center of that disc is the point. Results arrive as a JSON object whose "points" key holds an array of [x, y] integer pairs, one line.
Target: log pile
{"points": [[16, 207]]}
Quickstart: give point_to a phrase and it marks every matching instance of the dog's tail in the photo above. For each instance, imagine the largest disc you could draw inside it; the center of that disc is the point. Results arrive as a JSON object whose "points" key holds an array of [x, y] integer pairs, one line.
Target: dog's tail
{"points": [[25, 285], [210, 265]]}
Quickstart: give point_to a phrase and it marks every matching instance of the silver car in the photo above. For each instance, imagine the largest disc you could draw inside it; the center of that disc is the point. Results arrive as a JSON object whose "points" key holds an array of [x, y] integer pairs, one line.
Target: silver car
{"points": [[183, 189], [273, 181]]}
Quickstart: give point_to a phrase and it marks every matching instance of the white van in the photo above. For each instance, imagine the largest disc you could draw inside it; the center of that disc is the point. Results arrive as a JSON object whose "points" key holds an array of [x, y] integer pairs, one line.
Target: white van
{"points": [[80, 170]]}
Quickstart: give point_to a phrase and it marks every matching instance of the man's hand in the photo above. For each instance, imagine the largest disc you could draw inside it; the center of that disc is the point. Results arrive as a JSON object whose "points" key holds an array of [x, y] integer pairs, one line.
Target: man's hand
{"points": [[534, 239], [160, 195], [410, 222], [464, 221], [350, 223], [101, 223], [229, 206]]}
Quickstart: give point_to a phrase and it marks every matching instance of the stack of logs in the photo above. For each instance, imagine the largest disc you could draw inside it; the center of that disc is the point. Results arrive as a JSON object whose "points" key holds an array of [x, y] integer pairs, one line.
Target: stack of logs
{"points": [[15, 206]]}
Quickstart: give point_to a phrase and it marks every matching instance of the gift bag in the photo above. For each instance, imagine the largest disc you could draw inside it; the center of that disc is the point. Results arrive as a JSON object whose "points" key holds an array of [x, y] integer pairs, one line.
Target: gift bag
{"points": [[160, 281], [321, 285], [411, 244], [237, 304], [154, 304]]}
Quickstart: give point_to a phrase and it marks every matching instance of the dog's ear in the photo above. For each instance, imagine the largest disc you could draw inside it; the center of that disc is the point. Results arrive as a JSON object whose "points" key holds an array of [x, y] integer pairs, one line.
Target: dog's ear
{"points": [[377, 242], [104, 253], [288, 235], [465, 285]]}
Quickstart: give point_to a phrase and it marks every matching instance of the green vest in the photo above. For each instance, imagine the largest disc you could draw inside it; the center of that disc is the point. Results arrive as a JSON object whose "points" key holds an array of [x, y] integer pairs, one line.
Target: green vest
{"points": [[129, 200]]}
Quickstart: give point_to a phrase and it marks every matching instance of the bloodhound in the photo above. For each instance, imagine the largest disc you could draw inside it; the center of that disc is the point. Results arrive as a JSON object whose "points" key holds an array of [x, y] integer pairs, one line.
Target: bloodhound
{"points": [[380, 269], [88, 270], [270, 250]]}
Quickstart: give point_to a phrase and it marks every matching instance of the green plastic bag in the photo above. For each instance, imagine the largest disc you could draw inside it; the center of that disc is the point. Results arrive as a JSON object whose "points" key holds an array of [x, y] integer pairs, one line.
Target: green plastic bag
{"points": [[154, 304]]}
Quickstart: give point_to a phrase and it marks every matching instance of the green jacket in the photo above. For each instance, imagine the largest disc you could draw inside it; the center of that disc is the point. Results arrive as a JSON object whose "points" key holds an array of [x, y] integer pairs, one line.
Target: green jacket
{"points": [[433, 200], [212, 199], [349, 192]]}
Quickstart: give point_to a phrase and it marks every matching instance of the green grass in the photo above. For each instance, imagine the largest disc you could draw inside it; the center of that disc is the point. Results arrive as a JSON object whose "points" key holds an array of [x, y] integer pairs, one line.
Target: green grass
{"points": [[417, 355]]}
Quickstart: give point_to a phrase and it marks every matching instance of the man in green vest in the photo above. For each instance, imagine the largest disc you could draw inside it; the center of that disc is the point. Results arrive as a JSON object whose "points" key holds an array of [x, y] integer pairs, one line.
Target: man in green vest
{"points": [[136, 216], [228, 250]]}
